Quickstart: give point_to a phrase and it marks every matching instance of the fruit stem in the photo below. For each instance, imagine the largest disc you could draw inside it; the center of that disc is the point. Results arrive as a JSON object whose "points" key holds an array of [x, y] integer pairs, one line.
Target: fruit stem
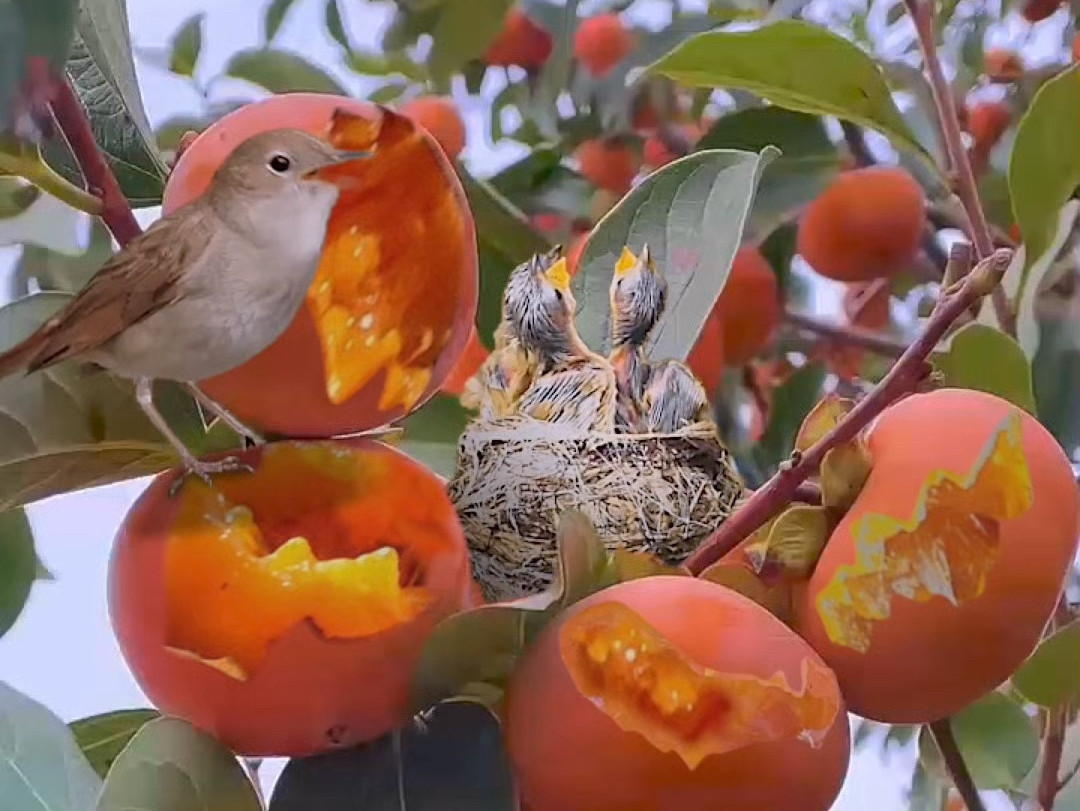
{"points": [[942, 733], [849, 335], [904, 377], [923, 14], [100, 181]]}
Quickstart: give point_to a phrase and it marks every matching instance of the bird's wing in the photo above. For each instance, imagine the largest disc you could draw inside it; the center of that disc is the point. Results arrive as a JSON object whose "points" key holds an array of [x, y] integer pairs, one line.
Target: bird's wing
{"points": [[581, 394], [134, 284]]}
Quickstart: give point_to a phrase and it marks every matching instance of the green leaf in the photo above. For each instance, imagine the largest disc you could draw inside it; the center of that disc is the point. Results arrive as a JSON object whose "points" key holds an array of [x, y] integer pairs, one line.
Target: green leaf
{"points": [[171, 765], [187, 45], [452, 758], [274, 17], [18, 566], [505, 239], [463, 32], [103, 737], [997, 740], [798, 66], [281, 72], [52, 270], [432, 432], [982, 358], [41, 767], [334, 25], [807, 164], [101, 69], [374, 63], [1044, 171], [12, 62], [1056, 373], [792, 401], [1051, 675], [691, 214], [68, 428], [16, 196]]}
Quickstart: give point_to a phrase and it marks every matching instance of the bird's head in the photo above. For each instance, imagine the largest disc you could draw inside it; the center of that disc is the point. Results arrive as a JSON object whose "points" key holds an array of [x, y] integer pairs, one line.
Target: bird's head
{"points": [[638, 294], [539, 305]]}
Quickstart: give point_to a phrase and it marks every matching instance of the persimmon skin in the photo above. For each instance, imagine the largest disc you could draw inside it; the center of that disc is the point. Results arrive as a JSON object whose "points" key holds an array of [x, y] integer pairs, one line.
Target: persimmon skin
{"points": [[1001, 65], [282, 390], [468, 365], [655, 152], [928, 660], [868, 224], [1035, 11], [608, 164], [521, 42], [602, 42], [749, 306], [309, 694], [441, 118], [706, 359], [570, 756]]}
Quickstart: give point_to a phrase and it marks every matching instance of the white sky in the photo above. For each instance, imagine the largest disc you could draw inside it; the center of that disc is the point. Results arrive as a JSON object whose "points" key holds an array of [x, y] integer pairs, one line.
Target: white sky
{"points": [[62, 652]]}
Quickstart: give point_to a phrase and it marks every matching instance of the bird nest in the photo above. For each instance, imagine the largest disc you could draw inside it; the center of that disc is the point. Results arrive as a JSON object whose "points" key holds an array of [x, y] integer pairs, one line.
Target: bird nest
{"points": [[657, 493]]}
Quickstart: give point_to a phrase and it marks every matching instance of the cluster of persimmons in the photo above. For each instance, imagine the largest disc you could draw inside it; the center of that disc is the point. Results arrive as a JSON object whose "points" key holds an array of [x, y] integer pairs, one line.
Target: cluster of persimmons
{"points": [[285, 611]]}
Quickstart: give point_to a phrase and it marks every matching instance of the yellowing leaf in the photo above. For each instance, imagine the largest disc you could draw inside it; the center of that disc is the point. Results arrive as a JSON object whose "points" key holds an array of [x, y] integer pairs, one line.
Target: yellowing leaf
{"points": [[945, 550], [793, 543], [822, 419], [844, 471]]}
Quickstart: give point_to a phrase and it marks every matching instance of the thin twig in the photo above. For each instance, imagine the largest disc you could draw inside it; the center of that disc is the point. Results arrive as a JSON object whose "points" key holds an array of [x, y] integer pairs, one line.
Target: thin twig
{"points": [[850, 336], [100, 181], [1053, 746], [922, 14], [1068, 776], [904, 377], [855, 139], [942, 733]]}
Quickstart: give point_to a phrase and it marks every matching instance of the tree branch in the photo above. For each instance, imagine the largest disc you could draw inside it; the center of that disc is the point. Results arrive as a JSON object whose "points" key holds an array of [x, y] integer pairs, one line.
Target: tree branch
{"points": [[904, 376], [1053, 747], [942, 733], [848, 335], [922, 14], [100, 181]]}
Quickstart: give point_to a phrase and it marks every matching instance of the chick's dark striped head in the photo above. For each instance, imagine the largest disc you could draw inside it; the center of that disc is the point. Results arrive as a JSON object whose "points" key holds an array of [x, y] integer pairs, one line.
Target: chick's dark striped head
{"points": [[638, 294], [539, 305]]}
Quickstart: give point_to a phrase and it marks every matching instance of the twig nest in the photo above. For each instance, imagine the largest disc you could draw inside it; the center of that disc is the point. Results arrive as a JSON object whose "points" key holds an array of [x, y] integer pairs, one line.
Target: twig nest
{"points": [[657, 493]]}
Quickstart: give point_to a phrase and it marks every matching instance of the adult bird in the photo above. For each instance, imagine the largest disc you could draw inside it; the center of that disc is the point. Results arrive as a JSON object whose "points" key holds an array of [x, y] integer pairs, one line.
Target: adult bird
{"points": [[574, 385], [637, 297], [207, 287]]}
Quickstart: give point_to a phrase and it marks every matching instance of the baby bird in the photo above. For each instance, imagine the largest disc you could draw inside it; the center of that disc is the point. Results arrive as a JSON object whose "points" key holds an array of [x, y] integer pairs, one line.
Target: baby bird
{"points": [[575, 386], [673, 399], [637, 294]]}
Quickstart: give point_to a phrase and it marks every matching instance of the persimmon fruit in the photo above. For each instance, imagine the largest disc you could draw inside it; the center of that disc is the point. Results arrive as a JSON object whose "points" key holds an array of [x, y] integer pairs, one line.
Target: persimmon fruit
{"points": [[655, 152], [468, 365], [1035, 11], [706, 359], [283, 611], [987, 122], [521, 42], [940, 579], [609, 164], [1002, 65], [749, 306], [442, 119], [395, 295], [671, 692], [867, 224], [602, 42]]}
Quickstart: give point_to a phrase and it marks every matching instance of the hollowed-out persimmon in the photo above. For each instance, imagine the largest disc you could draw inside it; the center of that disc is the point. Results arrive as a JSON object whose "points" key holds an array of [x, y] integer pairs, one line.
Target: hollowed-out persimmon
{"points": [[283, 611], [940, 579], [673, 692], [395, 295]]}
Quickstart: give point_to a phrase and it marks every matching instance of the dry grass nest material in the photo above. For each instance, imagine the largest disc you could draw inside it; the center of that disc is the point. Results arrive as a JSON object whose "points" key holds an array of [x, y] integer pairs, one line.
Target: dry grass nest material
{"points": [[657, 493]]}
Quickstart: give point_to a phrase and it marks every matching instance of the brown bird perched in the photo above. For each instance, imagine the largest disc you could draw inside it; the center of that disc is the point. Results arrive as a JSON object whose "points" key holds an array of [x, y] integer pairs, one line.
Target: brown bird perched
{"points": [[574, 386], [637, 295], [206, 288]]}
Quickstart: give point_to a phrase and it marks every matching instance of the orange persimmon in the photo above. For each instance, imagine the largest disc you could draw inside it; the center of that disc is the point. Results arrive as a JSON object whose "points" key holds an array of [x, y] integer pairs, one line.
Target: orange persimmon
{"points": [[608, 164], [521, 42], [955, 551], [671, 692], [602, 42], [283, 610], [442, 119], [395, 295]]}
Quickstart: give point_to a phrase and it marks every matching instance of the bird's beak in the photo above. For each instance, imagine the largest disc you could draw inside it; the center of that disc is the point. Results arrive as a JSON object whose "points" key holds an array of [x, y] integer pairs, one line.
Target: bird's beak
{"points": [[559, 276], [646, 256], [627, 262], [325, 172]]}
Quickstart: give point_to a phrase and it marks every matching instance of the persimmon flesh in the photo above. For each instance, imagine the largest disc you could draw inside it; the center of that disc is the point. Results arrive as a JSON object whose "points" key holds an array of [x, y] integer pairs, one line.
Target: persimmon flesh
{"points": [[669, 692], [395, 295], [283, 611]]}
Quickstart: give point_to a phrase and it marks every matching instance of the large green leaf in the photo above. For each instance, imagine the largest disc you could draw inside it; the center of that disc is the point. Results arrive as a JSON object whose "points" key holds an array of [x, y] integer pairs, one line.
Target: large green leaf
{"points": [[101, 69], [171, 766], [807, 164], [691, 214], [18, 565], [68, 428], [505, 239], [1044, 169], [463, 32], [281, 72], [31, 28], [41, 767], [796, 65], [432, 432], [1056, 376], [103, 737], [12, 61], [274, 16], [1051, 675], [187, 45], [985, 359], [453, 759]]}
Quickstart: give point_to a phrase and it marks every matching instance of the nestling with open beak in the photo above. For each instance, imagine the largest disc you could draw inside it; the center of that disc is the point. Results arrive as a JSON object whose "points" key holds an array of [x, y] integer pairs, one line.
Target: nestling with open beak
{"points": [[637, 296], [575, 386], [206, 288]]}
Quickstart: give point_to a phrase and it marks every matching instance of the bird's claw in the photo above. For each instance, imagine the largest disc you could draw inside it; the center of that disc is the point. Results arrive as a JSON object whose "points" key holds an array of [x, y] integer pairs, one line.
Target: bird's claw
{"points": [[205, 470]]}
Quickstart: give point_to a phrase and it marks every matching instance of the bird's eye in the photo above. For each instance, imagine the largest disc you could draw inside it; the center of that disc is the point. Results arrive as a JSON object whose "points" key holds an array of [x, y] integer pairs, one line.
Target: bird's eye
{"points": [[558, 295], [280, 164]]}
